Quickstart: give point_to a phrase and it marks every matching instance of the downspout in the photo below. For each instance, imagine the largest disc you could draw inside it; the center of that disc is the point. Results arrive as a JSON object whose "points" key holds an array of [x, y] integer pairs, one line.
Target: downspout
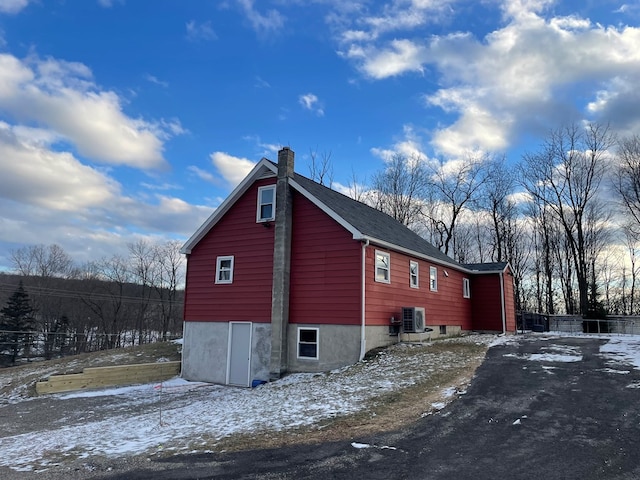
{"points": [[363, 338], [502, 304]]}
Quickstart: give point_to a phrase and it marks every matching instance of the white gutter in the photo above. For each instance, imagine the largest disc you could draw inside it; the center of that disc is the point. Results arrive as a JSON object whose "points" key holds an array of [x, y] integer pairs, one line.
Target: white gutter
{"points": [[363, 338], [502, 304]]}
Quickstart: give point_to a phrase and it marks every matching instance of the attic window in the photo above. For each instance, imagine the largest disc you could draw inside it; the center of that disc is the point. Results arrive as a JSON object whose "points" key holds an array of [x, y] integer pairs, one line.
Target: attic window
{"points": [[266, 204], [383, 270]]}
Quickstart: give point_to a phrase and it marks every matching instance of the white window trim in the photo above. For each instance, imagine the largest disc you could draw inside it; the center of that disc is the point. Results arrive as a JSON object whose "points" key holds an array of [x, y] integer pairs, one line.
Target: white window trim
{"points": [[219, 261], [317, 343], [259, 219], [417, 276], [375, 267], [433, 279], [466, 288]]}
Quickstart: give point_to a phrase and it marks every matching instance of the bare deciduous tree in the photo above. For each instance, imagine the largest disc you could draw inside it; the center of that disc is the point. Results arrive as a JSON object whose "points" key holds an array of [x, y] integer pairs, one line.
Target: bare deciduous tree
{"points": [[627, 178], [42, 261], [451, 188], [321, 169], [565, 176], [398, 189]]}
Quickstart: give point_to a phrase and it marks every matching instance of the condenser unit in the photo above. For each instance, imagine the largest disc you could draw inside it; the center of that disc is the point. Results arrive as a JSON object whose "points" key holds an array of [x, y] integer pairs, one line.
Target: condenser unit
{"points": [[413, 319]]}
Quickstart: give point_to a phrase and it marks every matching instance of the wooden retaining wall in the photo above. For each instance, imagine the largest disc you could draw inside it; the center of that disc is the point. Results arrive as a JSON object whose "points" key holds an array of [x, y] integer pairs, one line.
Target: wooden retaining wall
{"points": [[99, 377]]}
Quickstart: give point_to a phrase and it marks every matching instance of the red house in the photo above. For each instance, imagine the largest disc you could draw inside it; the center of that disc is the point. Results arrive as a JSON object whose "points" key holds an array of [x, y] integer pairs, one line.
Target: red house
{"points": [[290, 276]]}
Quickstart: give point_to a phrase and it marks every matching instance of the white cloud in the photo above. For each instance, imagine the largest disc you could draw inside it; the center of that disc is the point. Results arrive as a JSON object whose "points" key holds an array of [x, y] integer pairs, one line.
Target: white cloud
{"points": [[514, 79], [37, 176], [401, 56], [202, 31], [156, 80], [12, 6], [261, 23], [410, 147], [109, 3], [62, 97], [310, 102], [202, 174], [261, 83], [45, 194], [233, 169]]}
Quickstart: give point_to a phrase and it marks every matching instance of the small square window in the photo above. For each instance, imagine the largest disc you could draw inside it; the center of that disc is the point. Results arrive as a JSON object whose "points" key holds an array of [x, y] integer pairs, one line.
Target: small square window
{"points": [[414, 274], [433, 279], [224, 269], [443, 329], [466, 288], [383, 270], [308, 343], [266, 204]]}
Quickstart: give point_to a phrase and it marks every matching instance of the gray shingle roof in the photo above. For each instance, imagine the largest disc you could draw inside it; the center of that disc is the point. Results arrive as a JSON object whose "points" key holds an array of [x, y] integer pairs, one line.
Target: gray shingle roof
{"points": [[486, 267], [371, 222]]}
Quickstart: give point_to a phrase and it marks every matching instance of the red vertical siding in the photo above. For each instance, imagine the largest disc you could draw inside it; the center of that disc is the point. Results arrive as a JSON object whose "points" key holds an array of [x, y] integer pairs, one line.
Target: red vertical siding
{"points": [[251, 244], [325, 269], [510, 301], [444, 307], [487, 304]]}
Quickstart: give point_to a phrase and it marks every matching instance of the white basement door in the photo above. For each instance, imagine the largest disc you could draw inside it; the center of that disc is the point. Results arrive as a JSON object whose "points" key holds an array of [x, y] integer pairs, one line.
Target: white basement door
{"points": [[239, 360]]}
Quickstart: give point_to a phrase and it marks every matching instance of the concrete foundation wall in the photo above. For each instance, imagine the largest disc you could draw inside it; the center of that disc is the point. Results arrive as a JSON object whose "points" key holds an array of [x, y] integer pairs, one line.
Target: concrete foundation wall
{"points": [[338, 346], [205, 351], [378, 336], [260, 351]]}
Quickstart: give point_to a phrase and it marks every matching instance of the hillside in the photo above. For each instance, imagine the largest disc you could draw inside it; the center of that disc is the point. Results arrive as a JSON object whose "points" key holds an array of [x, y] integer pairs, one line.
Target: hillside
{"points": [[18, 383]]}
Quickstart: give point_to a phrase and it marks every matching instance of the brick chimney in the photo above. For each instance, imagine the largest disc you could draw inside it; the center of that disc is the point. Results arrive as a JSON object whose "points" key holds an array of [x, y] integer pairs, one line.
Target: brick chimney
{"points": [[281, 266]]}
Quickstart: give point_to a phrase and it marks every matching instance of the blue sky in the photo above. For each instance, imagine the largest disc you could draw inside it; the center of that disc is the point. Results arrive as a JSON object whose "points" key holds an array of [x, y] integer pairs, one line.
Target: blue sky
{"points": [[122, 119]]}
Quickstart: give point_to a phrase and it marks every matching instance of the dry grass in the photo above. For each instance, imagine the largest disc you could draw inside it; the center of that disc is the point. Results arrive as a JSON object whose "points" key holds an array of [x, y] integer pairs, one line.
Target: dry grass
{"points": [[19, 382]]}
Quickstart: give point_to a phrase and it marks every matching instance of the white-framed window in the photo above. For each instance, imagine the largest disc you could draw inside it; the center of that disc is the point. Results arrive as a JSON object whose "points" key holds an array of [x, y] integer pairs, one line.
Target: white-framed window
{"points": [[414, 270], [383, 267], [308, 343], [266, 204], [224, 269], [466, 288], [433, 279]]}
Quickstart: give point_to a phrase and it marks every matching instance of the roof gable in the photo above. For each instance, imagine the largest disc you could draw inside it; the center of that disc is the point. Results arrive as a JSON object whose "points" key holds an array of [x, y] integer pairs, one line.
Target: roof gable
{"points": [[263, 169], [362, 221]]}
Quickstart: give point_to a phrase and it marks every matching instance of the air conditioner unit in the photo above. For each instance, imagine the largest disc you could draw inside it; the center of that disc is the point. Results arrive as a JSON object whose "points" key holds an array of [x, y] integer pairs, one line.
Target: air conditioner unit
{"points": [[413, 319]]}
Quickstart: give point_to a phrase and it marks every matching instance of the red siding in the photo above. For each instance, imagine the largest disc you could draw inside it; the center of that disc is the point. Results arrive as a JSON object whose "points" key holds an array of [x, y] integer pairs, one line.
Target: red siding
{"points": [[325, 269], [487, 310], [510, 301], [444, 307], [237, 234], [487, 304]]}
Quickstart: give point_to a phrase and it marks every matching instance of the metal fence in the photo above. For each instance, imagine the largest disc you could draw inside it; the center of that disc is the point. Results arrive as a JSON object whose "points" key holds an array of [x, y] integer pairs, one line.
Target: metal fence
{"points": [[30, 346], [615, 324]]}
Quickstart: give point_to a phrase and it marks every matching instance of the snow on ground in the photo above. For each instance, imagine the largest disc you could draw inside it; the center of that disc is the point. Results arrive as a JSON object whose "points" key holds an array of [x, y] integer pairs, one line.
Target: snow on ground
{"points": [[624, 350], [183, 416], [194, 414]]}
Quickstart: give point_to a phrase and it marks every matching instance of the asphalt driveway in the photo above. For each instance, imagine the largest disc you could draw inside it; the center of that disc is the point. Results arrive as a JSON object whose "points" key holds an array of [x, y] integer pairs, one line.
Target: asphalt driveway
{"points": [[540, 408]]}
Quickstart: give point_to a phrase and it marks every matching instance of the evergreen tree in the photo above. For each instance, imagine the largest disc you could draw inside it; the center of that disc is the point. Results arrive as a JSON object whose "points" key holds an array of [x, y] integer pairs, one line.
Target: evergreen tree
{"points": [[16, 323]]}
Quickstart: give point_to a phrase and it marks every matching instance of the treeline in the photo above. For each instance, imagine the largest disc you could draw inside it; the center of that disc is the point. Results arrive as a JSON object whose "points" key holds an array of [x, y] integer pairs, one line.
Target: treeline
{"points": [[113, 302], [566, 216]]}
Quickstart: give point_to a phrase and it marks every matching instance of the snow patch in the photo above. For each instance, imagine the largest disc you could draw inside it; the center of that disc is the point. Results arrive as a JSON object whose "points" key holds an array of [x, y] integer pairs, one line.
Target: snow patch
{"points": [[622, 351], [360, 445]]}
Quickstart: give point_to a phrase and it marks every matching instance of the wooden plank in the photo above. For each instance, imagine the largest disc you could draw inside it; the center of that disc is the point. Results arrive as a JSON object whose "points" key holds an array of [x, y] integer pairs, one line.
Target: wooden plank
{"points": [[95, 377]]}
